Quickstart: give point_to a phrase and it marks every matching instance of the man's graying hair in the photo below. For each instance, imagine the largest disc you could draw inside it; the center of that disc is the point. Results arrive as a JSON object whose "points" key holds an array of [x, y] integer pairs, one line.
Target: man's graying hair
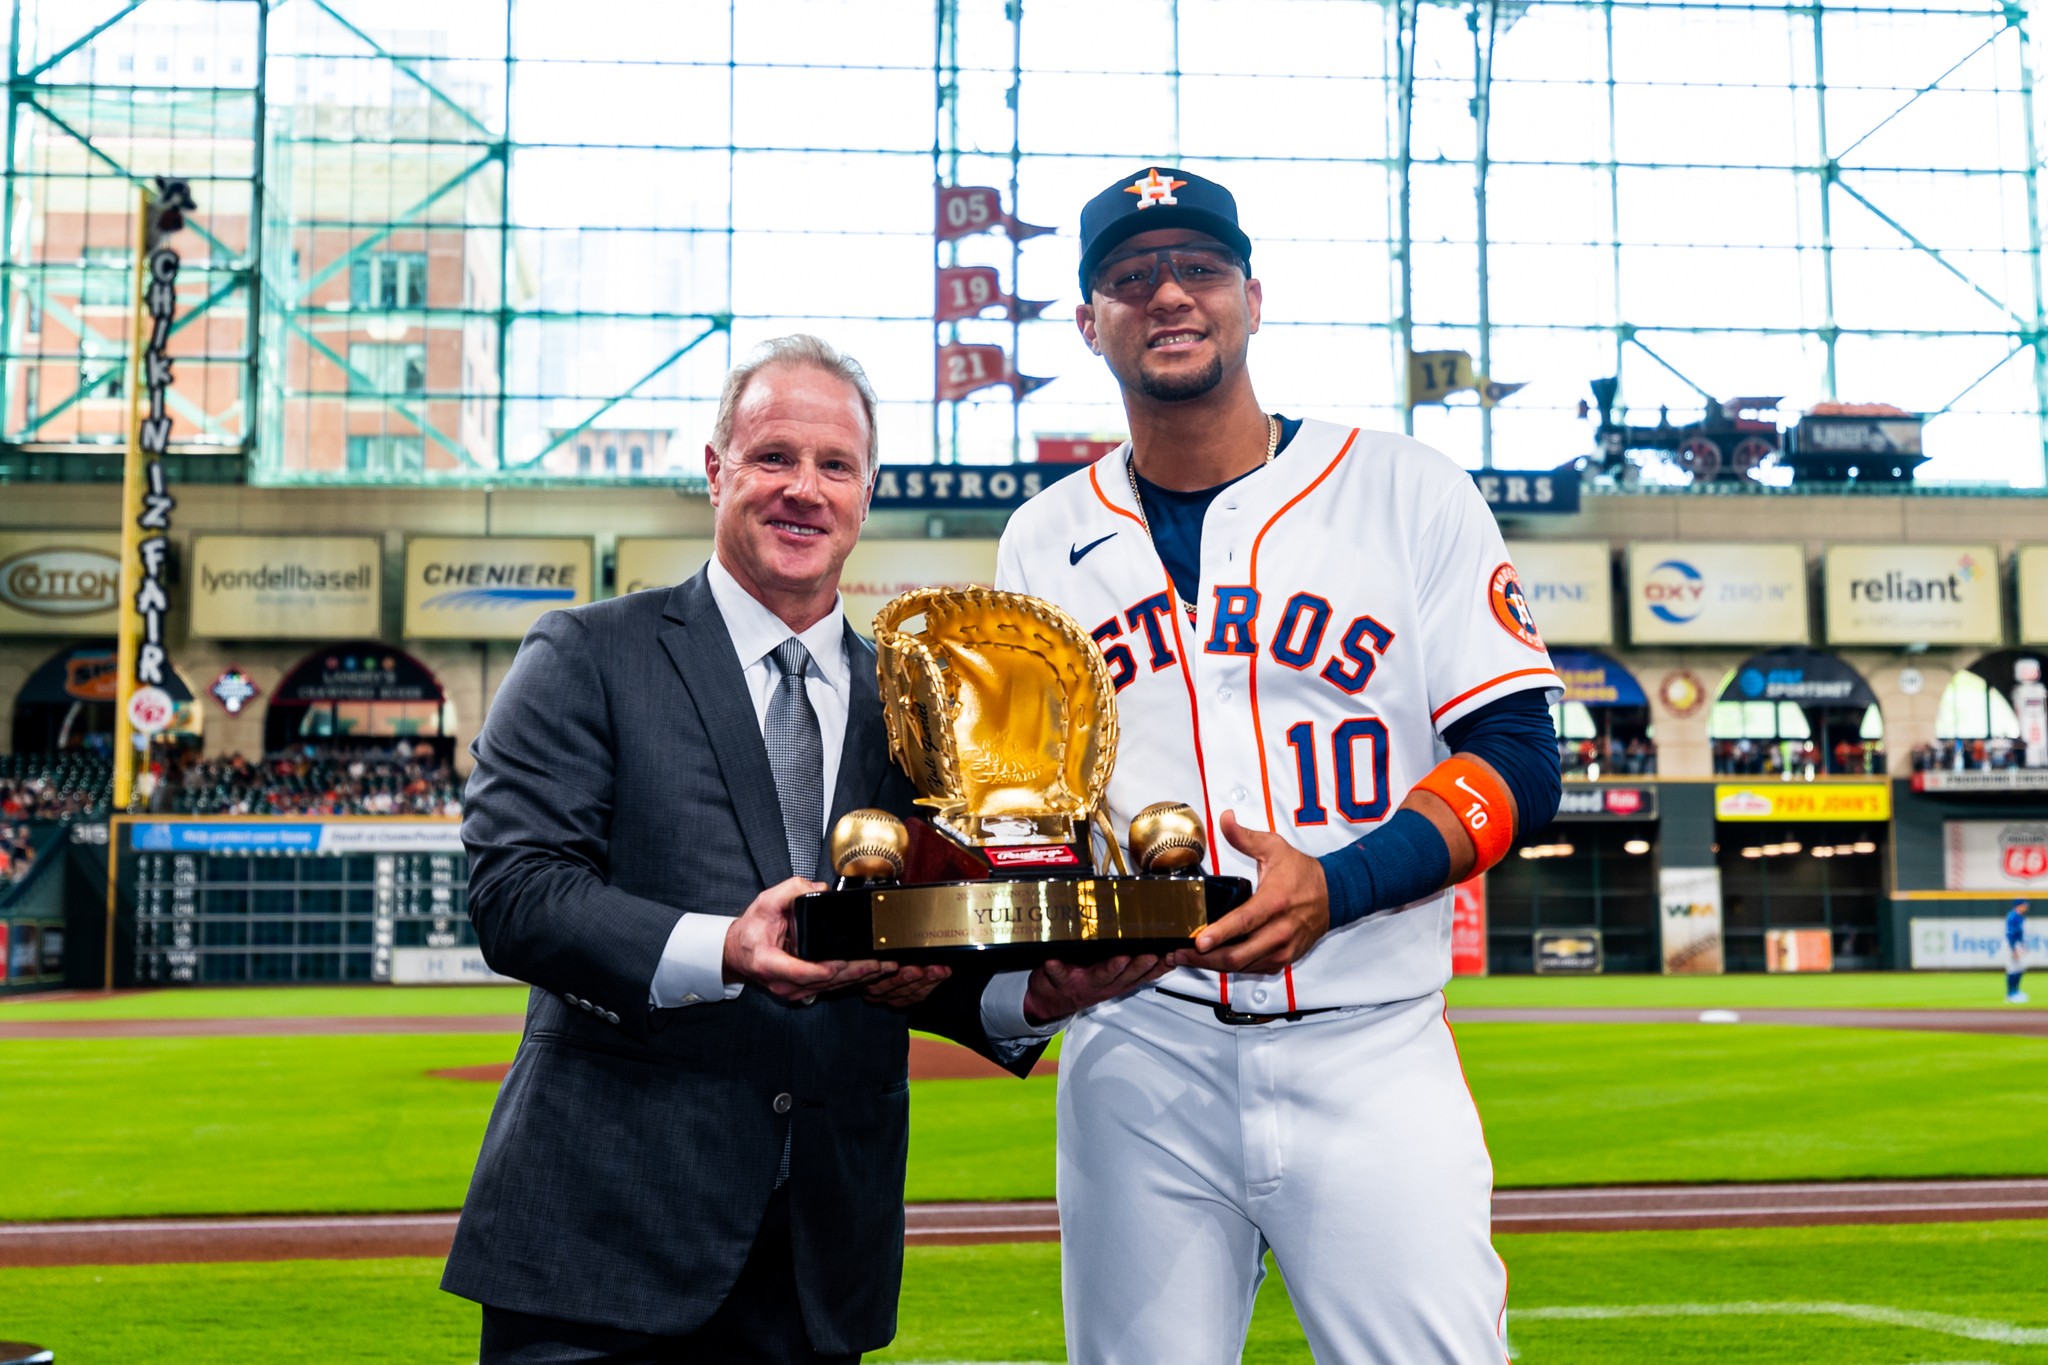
{"points": [[799, 349]]}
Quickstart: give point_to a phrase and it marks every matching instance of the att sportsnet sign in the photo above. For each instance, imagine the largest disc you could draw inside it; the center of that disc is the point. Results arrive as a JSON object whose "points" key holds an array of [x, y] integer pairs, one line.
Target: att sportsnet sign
{"points": [[1005, 487]]}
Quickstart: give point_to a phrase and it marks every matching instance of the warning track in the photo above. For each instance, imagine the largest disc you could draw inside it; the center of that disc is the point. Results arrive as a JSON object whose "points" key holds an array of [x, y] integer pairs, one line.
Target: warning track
{"points": [[1605, 1209]]}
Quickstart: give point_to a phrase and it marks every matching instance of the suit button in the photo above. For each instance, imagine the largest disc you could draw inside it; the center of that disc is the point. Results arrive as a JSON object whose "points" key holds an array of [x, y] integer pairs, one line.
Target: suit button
{"points": [[610, 1017], [571, 999], [783, 1103]]}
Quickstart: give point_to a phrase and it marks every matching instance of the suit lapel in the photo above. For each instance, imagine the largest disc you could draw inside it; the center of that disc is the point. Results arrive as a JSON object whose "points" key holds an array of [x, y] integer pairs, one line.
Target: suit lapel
{"points": [[697, 642], [865, 756]]}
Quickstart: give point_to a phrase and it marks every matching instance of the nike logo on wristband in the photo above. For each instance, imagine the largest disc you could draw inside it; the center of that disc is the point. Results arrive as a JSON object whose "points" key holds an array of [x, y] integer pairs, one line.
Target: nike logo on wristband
{"points": [[1077, 553]]}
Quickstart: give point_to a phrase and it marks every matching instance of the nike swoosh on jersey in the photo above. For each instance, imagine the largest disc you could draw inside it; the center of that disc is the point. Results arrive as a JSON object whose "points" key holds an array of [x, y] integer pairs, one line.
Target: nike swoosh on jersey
{"points": [[1075, 554]]}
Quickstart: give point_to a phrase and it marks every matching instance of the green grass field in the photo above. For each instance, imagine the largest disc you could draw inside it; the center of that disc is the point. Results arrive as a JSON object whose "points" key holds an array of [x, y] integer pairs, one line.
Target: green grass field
{"points": [[1858, 1296], [1850, 990], [133, 1126]]}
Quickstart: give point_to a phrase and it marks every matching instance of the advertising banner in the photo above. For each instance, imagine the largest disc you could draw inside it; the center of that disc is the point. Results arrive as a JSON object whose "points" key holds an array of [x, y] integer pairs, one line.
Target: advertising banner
{"points": [[1689, 918], [1995, 855], [2030, 580], [295, 836], [1567, 952], [443, 967], [491, 587], [1865, 801], [1913, 594], [1973, 944], [1799, 950], [1570, 588], [1593, 679], [1603, 802], [286, 587], [59, 582], [1468, 928], [1680, 593], [643, 562], [878, 570]]}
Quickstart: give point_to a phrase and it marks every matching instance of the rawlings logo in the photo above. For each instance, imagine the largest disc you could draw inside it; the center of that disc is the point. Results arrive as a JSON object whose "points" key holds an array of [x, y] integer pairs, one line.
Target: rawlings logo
{"points": [[1036, 855]]}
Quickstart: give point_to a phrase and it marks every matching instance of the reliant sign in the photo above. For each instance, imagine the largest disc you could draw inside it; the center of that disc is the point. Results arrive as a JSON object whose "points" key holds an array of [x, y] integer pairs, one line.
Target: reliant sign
{"points": [[59, 582], [1913, 594], [1685, 593], [1570, 589], [490, 587], [286, 587]]}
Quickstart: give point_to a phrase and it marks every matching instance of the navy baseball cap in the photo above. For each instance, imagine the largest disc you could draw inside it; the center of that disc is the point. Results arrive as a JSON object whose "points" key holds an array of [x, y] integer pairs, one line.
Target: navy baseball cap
{"points": [[1155, 198]]}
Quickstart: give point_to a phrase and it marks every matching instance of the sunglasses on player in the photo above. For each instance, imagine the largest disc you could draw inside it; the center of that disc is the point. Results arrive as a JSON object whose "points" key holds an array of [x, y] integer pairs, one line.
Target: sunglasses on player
{"points": [[1135, 278]]}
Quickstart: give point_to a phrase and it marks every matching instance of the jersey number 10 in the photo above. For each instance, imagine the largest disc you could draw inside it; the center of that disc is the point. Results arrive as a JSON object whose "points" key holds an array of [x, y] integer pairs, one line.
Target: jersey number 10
{"points": [[1345, 763]]}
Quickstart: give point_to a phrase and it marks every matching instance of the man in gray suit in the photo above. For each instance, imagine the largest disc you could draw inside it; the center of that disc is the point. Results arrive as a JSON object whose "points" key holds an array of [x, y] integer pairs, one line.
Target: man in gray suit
{"points": [[699, 1151]]}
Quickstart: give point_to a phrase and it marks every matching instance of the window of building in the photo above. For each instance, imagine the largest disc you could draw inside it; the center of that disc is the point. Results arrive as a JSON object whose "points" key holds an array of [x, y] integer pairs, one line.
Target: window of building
{"points": [[636, 459], [611, 459], [106, 278], [387, 367], [388, 279], [583, 457], [99, 377], [384, 454]]}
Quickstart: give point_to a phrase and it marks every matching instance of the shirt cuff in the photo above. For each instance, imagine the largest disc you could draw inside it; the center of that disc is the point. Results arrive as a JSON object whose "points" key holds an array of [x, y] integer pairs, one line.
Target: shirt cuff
{"points": [[1002, 1012], [692, 966]]}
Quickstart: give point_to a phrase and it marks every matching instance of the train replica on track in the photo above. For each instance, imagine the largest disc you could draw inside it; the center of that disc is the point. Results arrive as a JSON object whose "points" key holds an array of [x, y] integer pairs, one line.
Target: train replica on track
{"points": [[1737, 437]]}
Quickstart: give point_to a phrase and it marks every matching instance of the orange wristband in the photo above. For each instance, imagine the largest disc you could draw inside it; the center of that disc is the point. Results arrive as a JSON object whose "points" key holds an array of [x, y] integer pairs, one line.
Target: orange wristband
{"points": [[1481, 802]]}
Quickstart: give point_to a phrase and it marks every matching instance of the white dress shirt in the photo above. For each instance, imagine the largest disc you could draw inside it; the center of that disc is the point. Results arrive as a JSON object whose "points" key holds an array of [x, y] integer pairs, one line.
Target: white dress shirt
{"points": [[692, 966]]}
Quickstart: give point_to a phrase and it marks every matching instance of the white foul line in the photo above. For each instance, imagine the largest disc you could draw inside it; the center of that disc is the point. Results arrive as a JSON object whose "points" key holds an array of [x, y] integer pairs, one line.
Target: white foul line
{"points": [[1947, 1324]]}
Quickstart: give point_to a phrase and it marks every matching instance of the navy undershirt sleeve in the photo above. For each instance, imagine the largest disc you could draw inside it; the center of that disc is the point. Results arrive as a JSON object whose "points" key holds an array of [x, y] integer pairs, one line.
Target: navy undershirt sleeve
{"points": [[1176, 522], [1406, 858]]}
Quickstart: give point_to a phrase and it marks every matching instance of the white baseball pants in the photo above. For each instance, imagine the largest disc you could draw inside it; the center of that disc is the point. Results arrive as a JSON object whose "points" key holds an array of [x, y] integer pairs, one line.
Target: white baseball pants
{"points": [[1346, 1142]]}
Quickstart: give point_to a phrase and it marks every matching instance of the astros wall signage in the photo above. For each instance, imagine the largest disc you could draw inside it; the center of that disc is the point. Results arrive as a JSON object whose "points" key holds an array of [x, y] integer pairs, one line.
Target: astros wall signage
{"points": [[1913, 594], [1570, 588], [490, 587], [1684, 593], [59, 582], [286, 587]]}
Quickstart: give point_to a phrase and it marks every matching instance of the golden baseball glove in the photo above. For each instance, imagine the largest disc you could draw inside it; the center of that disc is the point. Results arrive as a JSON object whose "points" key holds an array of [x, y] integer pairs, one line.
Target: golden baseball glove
{"points": [[1000, 708]]}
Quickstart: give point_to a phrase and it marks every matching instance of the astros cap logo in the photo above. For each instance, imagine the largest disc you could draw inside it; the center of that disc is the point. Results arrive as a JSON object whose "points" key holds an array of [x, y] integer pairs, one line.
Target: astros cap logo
{"points": [[1151, 190]]}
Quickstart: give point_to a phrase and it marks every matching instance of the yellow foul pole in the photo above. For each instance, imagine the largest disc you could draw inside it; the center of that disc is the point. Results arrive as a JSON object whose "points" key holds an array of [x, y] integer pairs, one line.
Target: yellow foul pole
{"points": [[134, 478]]}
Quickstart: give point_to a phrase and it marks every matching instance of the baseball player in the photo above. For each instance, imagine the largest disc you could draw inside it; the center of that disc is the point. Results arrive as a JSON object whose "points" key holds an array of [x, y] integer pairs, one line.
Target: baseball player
{"points": [[1320, 644], [2016, 952]]}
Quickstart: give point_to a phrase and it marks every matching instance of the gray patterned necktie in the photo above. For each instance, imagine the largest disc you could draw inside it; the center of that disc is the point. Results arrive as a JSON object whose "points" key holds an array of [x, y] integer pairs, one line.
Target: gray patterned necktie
{"points": [[796, 755]]}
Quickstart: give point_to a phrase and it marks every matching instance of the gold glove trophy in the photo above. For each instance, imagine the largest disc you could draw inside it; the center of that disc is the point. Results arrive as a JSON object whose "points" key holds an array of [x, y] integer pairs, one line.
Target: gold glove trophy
{"points": [[1001, 711]]}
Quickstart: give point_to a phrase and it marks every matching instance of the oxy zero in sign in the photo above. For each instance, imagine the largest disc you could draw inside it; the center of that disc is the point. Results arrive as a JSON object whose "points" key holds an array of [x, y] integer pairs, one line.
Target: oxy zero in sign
{"points": [[149, 710]]}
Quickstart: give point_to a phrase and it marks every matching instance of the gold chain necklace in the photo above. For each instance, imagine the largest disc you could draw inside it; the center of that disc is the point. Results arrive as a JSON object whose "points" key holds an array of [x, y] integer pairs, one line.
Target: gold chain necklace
{"points": [[1131, 471]]}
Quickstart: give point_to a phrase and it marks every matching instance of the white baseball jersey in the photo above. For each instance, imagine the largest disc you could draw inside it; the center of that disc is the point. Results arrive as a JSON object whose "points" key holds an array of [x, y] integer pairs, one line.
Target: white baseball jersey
{"points": [[1356, 598]]}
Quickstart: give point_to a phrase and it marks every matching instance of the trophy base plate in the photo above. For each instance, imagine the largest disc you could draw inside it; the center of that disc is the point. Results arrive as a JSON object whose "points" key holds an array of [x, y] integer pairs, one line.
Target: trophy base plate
{"points": [[1009, 924]]}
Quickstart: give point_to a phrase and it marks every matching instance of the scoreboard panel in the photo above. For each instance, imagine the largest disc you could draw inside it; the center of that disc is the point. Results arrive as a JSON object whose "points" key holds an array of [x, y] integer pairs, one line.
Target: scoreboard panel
{"points": [[203, 901]]}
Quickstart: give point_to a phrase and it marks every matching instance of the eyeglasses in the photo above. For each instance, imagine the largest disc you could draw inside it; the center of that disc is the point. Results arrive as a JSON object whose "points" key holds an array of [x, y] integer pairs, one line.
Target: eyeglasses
{"points": [[1135, 278]]}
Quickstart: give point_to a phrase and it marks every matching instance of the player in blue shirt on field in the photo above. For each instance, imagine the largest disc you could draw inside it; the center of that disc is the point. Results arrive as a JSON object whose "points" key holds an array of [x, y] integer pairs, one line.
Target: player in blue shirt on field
{"points": [[2015, 944]]}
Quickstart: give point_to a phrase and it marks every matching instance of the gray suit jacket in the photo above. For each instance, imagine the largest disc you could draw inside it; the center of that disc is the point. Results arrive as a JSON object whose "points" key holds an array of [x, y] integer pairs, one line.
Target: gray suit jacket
{"points": [[620, 778]]}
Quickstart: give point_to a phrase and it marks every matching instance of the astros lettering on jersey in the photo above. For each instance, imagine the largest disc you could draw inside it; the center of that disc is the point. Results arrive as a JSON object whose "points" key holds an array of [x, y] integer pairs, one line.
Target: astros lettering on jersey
{"points": [[1307, 692]]}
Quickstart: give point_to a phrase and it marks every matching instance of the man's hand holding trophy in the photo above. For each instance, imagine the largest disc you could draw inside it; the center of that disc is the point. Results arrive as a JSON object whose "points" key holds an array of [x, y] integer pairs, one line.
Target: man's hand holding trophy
{"points": [[1001, 711]]}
